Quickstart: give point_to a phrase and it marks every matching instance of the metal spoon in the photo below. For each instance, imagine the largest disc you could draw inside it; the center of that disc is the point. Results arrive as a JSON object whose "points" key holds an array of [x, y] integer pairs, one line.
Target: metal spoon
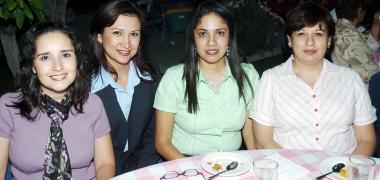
{"points": [[233, 165], [335, 168]]}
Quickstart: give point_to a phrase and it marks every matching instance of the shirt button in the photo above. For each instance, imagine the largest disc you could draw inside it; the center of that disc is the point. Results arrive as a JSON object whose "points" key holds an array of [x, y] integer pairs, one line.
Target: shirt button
{"points": [[314, 96], [315, 110], [317, 138], [316, 124]]}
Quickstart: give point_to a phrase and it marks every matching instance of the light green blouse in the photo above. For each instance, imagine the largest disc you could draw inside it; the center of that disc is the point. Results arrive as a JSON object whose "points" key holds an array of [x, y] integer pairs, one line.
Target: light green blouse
{"points": [[217, 125]]}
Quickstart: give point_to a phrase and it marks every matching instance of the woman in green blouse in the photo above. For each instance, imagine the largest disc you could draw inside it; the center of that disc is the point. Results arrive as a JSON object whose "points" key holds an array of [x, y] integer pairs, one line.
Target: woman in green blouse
{"points": [[202, 104]]}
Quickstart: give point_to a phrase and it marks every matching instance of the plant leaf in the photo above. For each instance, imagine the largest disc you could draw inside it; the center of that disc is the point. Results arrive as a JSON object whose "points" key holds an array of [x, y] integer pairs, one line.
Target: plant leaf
{"points": [[11, 4], [36, 4], [2, 1], [1, 13], [20, 18], [28, 13], [20, 3], [6, 13], [39, 14]]}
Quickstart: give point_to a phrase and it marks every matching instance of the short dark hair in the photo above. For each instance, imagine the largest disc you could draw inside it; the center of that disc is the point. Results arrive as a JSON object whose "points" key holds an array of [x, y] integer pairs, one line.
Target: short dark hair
{"points": [[28, 83], [348, 9], [307, 14], [105, 16]]}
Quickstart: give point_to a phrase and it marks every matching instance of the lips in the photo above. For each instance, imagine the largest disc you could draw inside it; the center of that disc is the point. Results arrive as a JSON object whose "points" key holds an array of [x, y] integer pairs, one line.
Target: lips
{"points": [[310, 52], [124, 52], [212, 51], [58, 77]]}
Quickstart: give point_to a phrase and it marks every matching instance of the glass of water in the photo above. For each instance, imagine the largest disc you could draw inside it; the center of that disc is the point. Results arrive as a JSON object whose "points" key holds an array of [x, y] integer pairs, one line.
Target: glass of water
{"points": [[361, 168], [265, 169]]}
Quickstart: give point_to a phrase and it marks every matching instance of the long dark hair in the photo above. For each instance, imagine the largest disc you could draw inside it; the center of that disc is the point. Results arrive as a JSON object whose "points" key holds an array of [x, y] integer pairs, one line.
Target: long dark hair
{"points": [[106, 16], [28, 83], [191, 73]]}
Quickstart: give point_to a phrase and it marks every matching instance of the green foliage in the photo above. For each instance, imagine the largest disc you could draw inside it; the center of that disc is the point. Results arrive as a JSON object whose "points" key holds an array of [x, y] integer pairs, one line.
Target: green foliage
{"points": [[19, 10], [257, 26]]}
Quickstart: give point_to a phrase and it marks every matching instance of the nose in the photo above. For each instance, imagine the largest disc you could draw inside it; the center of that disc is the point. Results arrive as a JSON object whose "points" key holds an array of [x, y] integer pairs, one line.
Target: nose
{"points": [[310, 40], [57, 64], [125, 43], [211, 40]]}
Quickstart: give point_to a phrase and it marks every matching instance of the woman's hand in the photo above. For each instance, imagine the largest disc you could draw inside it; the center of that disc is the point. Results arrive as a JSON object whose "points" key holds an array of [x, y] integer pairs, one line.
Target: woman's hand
{"points": [[164, 133], [104, 158], [4, 148]]}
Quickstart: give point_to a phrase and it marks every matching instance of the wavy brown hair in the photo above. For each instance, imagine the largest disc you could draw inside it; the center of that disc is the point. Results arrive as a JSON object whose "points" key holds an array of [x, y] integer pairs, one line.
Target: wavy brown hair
{"points": [[27, 82]]}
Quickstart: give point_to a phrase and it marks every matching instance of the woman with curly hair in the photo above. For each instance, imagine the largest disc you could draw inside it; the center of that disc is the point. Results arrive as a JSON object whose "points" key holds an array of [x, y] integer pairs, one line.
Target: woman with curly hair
{"points": [[51, 127]]}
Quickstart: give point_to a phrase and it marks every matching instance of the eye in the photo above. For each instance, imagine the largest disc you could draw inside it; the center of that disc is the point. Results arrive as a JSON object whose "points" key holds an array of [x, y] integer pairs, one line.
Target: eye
{"points": [[202, 34], [319, 34], [66, 55], [44, 58], [118, 33], [300, 34], [135, 34], [220, 33]]}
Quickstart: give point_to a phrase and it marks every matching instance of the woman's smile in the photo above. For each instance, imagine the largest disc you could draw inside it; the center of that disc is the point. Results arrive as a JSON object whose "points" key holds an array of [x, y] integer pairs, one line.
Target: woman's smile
{"points": [[124, 52]]}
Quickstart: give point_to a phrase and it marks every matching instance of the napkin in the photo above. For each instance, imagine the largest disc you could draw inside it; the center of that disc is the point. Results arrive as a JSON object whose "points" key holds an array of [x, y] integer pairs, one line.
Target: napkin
{"points": [[288, 170]]}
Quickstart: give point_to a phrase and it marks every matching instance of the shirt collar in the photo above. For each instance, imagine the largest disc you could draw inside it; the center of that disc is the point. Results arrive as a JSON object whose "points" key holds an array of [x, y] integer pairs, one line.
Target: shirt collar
{"points": [[105, 78], [228, 73], [327, 67]]}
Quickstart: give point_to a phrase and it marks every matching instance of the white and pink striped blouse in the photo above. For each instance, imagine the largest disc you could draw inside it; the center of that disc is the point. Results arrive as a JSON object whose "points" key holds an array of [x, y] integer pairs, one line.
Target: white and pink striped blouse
{"points": [[318, 118]]}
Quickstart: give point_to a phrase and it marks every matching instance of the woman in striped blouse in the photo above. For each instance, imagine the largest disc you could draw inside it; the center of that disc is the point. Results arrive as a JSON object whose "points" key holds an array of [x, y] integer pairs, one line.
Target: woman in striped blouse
{"points": [[308, 102]]}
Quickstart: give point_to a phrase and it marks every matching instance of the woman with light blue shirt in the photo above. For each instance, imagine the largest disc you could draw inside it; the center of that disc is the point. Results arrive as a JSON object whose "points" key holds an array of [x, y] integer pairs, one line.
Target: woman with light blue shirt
{"points": [[125, 83], [202, 104]]}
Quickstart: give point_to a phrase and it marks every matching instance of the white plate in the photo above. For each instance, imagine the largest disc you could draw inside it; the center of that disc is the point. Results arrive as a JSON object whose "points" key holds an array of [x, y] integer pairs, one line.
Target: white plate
{"points": [[326, 165], [223, 159]]}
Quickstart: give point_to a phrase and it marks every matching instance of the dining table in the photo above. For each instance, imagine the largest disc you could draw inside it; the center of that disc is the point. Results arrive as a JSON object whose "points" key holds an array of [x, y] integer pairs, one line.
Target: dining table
{"points": [[307, 159]]}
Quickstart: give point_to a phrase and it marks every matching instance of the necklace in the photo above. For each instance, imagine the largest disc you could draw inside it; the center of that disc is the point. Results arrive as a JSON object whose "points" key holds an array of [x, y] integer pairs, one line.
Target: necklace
{"points": [[215, 85]]}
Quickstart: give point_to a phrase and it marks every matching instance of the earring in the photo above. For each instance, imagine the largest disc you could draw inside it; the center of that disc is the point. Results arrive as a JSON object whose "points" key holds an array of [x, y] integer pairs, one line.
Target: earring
{"points": [[328, 46], [290, 45], [228, 52]]}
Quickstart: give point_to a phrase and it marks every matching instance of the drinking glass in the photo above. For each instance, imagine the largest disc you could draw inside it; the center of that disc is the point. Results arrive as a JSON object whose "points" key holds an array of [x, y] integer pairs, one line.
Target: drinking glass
{"points": [[265, 169], [361, 168]]}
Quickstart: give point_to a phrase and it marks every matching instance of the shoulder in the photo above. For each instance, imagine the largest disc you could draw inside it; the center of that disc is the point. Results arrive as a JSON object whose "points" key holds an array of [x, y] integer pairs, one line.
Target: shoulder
{"points": [[93, 101], [247, 67], [343, 71], [10, 98], [93, 98], [176, 69], [174, 73], [277, 71], [346, 71], [250, 70]]}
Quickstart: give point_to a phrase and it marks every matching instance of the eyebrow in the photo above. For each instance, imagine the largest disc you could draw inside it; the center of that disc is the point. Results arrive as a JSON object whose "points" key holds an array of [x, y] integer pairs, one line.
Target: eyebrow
{"points": [[201, 29], [46, 53], [120, 29]]}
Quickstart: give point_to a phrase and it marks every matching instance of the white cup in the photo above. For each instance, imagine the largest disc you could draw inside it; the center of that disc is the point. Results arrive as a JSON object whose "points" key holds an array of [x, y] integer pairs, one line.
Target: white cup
{"points": [[361, 168], [265, 169]]}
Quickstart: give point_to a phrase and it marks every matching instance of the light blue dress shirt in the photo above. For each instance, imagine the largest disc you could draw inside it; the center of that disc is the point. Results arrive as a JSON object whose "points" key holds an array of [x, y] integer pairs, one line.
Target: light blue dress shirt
{"points": [[124, 96]]}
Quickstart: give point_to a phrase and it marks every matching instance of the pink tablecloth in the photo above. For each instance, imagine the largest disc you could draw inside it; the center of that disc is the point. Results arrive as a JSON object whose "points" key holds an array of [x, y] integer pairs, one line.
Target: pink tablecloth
{"points": [[307, 159]]}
